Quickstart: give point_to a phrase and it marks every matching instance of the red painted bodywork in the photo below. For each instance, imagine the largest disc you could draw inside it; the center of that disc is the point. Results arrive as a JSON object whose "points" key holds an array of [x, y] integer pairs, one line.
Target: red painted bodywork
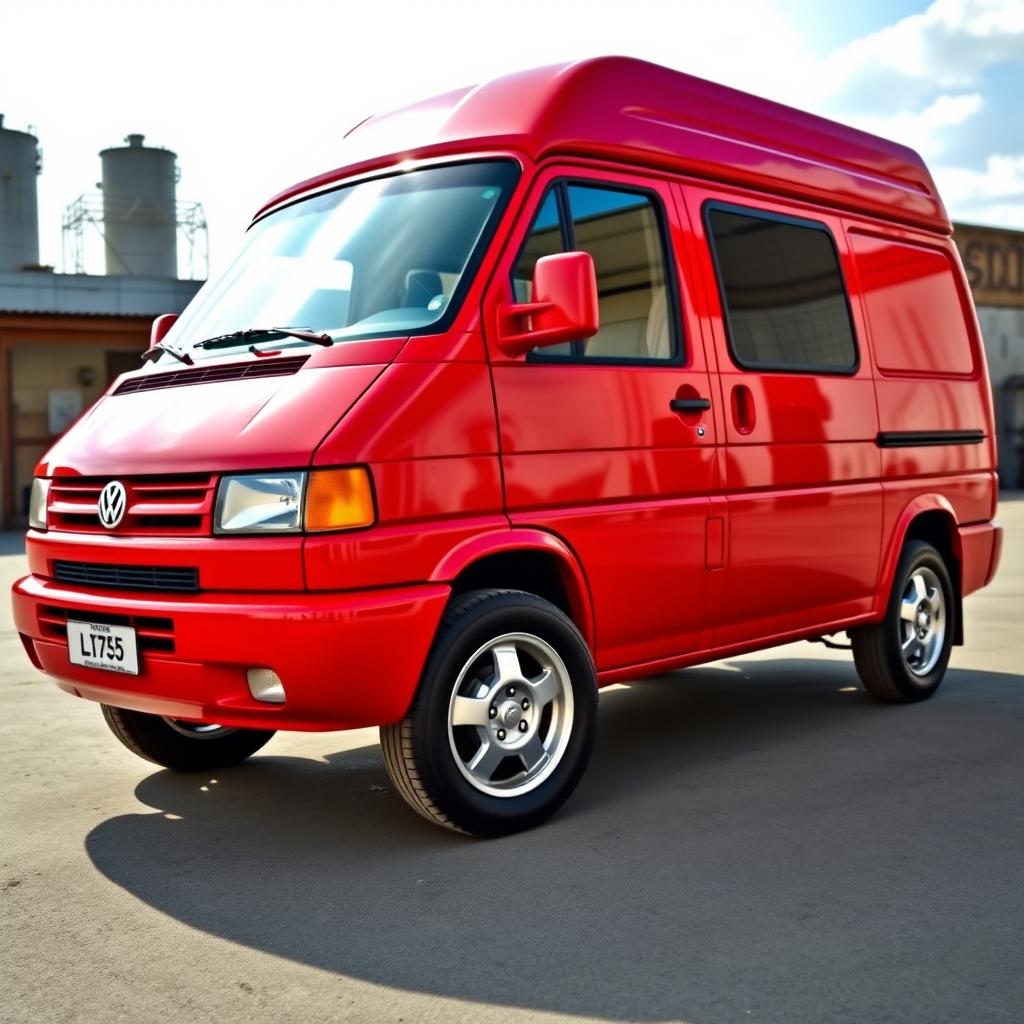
{"points": [[676, 538]]}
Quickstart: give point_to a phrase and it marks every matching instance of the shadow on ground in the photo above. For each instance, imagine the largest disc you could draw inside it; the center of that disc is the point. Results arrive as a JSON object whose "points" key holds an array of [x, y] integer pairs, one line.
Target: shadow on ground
{"points": [[756, 837]]}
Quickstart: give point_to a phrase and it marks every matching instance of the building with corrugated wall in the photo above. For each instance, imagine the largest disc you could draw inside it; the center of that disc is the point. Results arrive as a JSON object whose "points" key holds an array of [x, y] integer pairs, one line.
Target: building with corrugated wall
{"points": [[994, 262], [63, 339]]}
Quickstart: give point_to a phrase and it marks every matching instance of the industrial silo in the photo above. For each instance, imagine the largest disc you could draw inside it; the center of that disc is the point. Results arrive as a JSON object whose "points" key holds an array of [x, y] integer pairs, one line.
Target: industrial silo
{"points": [[140, 228], [19, 218]]}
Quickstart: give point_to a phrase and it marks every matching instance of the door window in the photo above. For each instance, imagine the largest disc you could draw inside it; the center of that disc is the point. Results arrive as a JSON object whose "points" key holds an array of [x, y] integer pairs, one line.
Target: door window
{"points": [[782, 292], [624, 233]]}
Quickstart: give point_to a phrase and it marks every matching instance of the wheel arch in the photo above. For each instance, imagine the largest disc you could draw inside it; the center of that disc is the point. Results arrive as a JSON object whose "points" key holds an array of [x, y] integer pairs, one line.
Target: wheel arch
{"points": [[522, 559], [928, 517]]}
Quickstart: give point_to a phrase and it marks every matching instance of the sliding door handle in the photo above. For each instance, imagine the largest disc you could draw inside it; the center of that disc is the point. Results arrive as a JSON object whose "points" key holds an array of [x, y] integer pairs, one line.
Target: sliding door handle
{"points": [[689, 404]]}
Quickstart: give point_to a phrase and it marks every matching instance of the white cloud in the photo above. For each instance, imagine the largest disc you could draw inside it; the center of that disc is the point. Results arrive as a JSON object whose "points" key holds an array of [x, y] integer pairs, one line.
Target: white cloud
{"points": [[947, 46], [923, 130], [924, 81], [994, 195]]}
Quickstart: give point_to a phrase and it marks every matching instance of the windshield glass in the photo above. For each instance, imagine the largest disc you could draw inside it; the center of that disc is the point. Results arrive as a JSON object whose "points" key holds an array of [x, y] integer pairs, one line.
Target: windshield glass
{"points": [[390, 255]]}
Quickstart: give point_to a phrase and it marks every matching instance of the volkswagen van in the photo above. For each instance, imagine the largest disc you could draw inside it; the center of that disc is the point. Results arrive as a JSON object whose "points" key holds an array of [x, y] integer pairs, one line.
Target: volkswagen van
{"points": [[580, 375]]}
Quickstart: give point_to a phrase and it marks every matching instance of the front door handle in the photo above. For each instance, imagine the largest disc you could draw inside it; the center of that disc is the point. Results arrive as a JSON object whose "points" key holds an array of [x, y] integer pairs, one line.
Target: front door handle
{"points": [[689, 404]]}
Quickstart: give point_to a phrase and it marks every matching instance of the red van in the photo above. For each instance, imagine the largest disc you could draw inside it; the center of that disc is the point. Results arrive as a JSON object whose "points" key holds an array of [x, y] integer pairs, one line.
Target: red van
{"points": [[584, 374]]}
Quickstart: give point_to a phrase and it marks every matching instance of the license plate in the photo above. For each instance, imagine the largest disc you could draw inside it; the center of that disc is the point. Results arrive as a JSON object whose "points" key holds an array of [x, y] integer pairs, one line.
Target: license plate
{"points": [[97, 645]]}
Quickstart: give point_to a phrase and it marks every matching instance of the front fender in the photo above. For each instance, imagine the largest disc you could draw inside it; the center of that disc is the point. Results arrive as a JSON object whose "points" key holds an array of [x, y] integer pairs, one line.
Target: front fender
{"points": [[504, 541]]}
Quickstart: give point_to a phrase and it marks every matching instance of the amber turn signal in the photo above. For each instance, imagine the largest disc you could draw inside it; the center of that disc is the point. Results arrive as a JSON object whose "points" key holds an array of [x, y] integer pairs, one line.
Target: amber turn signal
{"points": [[339, 499]]}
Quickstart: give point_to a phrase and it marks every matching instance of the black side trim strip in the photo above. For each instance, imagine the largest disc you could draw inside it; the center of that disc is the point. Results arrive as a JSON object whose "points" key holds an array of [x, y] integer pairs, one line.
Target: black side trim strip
{"points": [[927, 438]]}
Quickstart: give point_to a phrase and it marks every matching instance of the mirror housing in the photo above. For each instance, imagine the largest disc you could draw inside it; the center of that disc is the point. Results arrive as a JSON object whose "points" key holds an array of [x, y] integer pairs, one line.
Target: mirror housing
{"points": [[564, 306], [161, 325]]}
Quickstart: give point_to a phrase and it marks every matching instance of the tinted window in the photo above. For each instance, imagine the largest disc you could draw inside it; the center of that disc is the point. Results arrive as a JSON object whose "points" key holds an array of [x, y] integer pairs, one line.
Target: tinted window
{"points": [[782, 293], [622, 232]]}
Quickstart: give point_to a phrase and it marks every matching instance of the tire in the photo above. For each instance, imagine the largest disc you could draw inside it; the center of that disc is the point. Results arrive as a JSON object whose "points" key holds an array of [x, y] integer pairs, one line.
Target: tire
{"points": [[461, 757], [903, 658], [168, 743]]}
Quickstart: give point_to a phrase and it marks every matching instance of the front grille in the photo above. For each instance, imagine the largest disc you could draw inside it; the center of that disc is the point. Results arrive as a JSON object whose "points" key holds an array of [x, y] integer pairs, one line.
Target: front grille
{"points": [[153, 633], [212, 374], [156, 506], [128, 577]]}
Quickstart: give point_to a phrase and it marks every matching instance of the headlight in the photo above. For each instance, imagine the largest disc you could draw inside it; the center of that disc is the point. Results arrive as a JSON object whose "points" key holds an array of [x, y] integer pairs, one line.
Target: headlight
{"points": [[37, 503], [260, 504], [323, 499]]}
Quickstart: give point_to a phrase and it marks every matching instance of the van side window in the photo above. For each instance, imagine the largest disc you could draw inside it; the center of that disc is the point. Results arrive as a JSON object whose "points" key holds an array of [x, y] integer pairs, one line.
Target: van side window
{"points": [[782, 292], [623, 231]]}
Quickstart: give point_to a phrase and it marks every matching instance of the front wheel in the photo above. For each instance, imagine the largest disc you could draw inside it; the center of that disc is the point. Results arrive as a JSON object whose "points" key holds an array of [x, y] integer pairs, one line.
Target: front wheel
{"points": [[183, 746], [502, 726], [903, 658]]}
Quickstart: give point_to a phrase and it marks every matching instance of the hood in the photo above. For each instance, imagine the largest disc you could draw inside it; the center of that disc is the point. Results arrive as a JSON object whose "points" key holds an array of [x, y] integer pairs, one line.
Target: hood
{"points": [[254, 423]]}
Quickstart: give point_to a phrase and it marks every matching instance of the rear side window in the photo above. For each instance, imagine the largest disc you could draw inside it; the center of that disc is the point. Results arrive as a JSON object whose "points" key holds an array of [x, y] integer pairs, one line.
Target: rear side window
{"points": [[782, 292], [914, 308], [624, 233]]}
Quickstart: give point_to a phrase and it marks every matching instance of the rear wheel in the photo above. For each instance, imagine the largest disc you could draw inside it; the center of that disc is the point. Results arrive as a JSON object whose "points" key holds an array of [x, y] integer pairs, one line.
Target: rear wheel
{"points": [[503, 723], [183, 746], [903, 658]]}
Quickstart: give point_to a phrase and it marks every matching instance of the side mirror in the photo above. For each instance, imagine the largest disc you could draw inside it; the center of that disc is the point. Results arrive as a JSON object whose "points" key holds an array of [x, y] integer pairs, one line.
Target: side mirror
{"points": [[564, 306], [161, 325]]}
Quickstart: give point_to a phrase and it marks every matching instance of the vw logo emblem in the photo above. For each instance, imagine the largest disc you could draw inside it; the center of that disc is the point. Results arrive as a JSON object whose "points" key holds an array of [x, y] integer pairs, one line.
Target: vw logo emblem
{"points": [[112, 504]]}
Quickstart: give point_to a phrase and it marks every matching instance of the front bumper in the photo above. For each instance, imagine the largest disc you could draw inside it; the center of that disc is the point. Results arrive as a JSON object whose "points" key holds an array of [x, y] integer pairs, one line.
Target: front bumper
{"points": [[346, 659]]}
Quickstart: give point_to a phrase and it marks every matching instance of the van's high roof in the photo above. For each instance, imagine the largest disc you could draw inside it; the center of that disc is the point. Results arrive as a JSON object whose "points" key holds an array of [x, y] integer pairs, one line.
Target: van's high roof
{"points": [[629, 110]]}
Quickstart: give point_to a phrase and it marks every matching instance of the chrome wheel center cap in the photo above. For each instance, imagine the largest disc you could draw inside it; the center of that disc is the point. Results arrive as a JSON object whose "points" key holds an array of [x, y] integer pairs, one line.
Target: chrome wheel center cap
{"points": [[509, 714], [924, 616]]}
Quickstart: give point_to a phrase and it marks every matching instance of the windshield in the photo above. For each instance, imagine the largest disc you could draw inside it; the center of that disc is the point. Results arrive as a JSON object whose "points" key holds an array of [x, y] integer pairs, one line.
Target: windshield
{"points": [[386, 256]]}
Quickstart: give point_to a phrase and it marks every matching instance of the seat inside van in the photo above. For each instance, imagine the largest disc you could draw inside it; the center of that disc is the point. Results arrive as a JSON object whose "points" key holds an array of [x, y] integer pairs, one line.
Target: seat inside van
{"points": [[634, 325]]}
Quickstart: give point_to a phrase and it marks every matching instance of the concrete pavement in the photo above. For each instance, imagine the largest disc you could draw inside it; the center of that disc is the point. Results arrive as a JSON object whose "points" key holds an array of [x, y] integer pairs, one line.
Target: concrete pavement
{"points": [[755, 840]]}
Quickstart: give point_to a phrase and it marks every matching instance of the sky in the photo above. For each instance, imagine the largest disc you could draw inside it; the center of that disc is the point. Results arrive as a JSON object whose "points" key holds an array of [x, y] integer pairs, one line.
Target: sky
{"points": [[254, 96]]}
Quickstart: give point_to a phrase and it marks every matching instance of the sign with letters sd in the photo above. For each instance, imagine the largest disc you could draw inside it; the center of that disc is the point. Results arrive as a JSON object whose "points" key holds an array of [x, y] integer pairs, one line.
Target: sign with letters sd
{"points": [[994, 262]]}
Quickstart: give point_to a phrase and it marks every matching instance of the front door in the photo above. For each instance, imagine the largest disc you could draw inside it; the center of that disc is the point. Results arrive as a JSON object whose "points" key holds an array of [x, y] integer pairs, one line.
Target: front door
{"points": [[592, 449]]}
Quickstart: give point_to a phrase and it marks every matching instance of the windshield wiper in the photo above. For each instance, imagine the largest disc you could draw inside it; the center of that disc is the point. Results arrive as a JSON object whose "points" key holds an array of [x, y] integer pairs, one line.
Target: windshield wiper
{"points": [[269, 333], [157, 350]]}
